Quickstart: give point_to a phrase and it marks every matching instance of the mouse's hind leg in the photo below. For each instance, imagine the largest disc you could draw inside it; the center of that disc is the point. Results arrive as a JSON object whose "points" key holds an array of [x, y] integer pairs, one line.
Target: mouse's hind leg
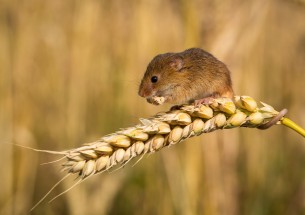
{"points": [[206, 100], [203, 101]]}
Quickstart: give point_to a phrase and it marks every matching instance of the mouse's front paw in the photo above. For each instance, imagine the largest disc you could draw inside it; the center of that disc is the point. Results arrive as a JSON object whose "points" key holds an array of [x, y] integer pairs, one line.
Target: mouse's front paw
{"points": [[156, 100]]}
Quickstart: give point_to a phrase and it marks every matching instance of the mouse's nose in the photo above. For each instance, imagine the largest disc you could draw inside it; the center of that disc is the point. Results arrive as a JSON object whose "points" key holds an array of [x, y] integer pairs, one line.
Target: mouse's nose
{"points": [[141, 92], [144, 92]]}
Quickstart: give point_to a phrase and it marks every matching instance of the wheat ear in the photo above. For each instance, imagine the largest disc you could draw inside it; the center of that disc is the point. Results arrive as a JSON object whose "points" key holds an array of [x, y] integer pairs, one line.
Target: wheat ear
{"points": [[170, 128]]}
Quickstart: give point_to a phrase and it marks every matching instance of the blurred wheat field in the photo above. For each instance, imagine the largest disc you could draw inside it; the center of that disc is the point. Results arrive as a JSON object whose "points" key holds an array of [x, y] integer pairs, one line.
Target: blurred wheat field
{"points": [[69, 73]]}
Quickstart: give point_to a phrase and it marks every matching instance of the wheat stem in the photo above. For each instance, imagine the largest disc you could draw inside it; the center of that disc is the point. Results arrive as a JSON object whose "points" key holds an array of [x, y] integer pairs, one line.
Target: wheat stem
{"points": [[290, 124]]}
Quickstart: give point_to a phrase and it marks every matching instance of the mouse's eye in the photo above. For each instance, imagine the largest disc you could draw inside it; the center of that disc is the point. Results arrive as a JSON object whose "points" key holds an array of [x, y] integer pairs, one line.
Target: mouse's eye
{"points": [[154, 79]]}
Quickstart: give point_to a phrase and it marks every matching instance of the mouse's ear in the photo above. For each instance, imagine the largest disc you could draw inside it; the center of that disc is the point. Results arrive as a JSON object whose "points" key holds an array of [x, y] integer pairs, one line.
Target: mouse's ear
{"points": [[177, 63]]}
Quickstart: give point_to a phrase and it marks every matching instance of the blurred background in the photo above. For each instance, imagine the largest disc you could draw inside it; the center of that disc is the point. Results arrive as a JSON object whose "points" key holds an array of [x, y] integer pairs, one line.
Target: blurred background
{"points": [[69, 73]]}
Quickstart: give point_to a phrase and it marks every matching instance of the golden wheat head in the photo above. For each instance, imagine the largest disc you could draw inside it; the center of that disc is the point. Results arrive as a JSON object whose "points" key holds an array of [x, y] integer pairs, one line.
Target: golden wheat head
{"points": [[167, 129]]}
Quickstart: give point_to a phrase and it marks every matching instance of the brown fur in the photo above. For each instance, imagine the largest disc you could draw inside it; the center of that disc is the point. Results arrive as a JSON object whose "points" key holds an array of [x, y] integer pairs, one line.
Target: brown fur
{"points": [[186, 76]]}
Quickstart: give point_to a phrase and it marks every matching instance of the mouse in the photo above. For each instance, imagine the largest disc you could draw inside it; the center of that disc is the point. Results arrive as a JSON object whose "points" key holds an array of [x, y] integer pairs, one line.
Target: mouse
{"points": [[193, 76]]}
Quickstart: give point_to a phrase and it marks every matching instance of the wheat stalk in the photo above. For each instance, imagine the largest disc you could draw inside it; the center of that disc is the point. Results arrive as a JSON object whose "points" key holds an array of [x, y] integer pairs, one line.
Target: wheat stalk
{"points": [[166, 129]]}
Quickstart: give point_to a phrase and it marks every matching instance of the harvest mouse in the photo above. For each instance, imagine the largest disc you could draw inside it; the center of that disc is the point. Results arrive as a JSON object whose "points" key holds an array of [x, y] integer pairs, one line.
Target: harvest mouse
{"points": [[191, 76]]}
